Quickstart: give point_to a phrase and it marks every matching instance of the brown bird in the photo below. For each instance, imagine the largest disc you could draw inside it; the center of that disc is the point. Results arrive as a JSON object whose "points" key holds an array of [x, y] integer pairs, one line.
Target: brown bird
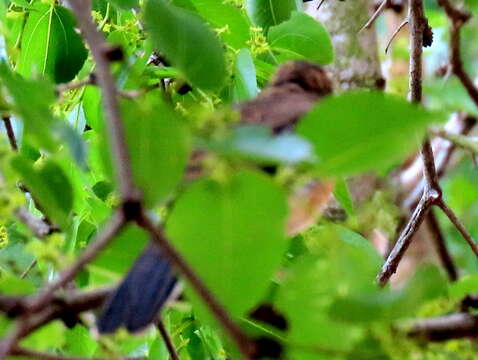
{"points": [[292, 92]]}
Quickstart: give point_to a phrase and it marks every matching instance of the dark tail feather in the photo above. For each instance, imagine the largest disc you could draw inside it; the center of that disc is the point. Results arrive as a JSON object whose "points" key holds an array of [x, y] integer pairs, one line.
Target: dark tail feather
{"points": [[141, 295]]}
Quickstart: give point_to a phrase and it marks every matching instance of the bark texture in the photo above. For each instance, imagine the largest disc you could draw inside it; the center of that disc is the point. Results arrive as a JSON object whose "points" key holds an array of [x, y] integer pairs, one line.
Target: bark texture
{"points": [[356, 62]]}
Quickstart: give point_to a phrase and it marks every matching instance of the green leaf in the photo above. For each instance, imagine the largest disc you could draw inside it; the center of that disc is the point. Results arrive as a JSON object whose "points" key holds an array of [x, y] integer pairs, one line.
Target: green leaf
{"points": [[230, 245], [361, 130], [187, 42], [225, 16], [245, 83], [257, 143], [50, 44], [125, 4], [266, 13], [79, 342], [52, 335], [158, 144], [301, 37], [343, 196], [31, 101], [49, 185], [118, 257], [341, 263], [386, 305]]}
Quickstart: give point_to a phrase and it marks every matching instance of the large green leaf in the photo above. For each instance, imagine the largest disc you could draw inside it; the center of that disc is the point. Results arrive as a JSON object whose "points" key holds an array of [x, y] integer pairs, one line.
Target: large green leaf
{"points": [[342, 263], [361, 130], [266, 13], [49, 185], [50, 44], [187, 42], [301, 37], [158, 144], [245, 82], [125, 4], [122, 253], [230, 19], [220, 228], [31, 101]]}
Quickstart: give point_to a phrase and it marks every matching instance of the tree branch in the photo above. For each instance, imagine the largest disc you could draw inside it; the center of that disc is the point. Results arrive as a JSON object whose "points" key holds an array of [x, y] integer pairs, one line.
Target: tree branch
{"points": [[442, 328], [82, 11], [167, 340], [114, 226], [7, 122], [242, 341]]}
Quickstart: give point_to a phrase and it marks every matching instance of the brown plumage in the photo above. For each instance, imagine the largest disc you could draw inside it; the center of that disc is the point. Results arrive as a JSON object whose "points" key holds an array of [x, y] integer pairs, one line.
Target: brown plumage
{"points": [[292, 92]]}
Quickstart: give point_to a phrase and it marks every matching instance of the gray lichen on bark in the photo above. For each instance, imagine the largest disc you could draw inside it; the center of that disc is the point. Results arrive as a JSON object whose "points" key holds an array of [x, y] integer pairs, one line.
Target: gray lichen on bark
{"points": [[356, 63]]}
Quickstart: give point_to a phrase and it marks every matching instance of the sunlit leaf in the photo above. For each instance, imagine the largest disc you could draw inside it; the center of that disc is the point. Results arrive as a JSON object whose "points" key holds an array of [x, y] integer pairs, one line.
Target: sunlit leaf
{"points": [[230, 245], [301, 37], [266, 13], [50, 44], [187, 43], [361, 131]]}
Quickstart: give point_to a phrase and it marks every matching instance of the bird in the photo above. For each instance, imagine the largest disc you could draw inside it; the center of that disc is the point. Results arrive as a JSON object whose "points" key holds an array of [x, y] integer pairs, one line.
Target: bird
{"points": [[293, 90]]}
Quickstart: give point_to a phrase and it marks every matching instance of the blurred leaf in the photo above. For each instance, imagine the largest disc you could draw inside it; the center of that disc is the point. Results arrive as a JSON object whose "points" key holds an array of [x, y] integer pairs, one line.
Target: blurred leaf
{"points": [[245, 83], [79, 342], [343, 196], [31, 101], [187, 42], [386, 305], [125, 4], [266, 13], [15, 286], [229, 19], [51, 335], [50, 44], [464, 286], [49, 185], [342, 263], [301, 37], [123, 251], [256, 142], [361, 130], [229, 245], [158, 144]]}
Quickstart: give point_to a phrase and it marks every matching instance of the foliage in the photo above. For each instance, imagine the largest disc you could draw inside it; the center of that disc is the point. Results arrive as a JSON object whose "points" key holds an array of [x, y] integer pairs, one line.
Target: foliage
{"points": [[230, 222]]}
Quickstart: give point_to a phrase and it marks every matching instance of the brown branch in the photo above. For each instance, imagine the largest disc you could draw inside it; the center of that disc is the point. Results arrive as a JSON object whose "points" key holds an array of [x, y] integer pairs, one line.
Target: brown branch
{"points": [[167, 340], [459, 226], [440, 245], [375, 15], [10, 134], [442, 328], [458, 18], [242, 341], [114, 226], [96, 42], [395, 33], [36, 224]]}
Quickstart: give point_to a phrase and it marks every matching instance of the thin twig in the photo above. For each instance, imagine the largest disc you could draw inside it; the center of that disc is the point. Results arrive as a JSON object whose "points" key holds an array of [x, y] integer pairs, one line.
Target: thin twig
{"points": [[395, 33], [167, 340], [242, 341], [459, 226], [75, 84], [405, 238], [375, 15], [96, 42], [440, 245], [114, 226], [10, 133], [458, 18], [458, 140], [320, 4], [36, 224], [442, 328]]}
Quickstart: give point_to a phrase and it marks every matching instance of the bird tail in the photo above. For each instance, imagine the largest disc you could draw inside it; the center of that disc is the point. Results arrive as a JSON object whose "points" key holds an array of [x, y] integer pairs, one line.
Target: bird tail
{"points": [[138, 299]]}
